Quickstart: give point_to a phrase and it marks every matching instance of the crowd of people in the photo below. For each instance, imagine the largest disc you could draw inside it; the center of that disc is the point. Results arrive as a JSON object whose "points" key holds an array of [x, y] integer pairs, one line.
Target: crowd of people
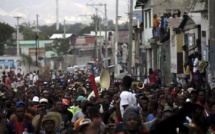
{"points": [[61, 105]]}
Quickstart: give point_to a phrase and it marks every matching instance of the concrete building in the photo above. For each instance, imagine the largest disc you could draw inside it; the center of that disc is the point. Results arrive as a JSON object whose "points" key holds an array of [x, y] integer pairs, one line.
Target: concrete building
{"points": [[151, 7]]}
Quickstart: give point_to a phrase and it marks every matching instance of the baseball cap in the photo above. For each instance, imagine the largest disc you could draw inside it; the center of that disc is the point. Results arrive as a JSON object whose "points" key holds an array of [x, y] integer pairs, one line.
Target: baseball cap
{"points": [[43, 100], [20, 103], [35, 99], [65, 102], [80, 98]]}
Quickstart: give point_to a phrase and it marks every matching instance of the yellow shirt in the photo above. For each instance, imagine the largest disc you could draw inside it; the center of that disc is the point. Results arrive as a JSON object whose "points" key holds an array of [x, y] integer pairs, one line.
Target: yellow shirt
{"points": [[187, 71]]}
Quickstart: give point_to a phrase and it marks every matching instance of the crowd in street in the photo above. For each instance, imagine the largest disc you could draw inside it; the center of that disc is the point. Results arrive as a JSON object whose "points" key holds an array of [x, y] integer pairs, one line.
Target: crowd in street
{"points": [[62, 105]]}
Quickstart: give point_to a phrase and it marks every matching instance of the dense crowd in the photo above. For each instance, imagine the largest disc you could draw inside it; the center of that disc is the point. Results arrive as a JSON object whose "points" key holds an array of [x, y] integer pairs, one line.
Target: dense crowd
{"points": [[62, 105]]}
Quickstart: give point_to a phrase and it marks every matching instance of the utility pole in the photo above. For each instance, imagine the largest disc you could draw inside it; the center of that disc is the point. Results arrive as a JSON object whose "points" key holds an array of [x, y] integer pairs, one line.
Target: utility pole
{"points": [[100, 40], [106, 47], [116, 39], [57, 15], [96, 31], [64, 29], [37, 38], [17, 35], [211, 4], [130, 52]]}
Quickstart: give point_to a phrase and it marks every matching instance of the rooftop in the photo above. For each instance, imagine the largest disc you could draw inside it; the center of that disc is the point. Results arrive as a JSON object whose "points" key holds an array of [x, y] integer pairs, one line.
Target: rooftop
{"points": [[60, 35]]}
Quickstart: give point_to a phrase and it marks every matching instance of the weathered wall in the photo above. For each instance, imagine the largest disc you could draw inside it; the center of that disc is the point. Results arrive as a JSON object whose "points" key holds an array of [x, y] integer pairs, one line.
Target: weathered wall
{"points": [[165, 63]]}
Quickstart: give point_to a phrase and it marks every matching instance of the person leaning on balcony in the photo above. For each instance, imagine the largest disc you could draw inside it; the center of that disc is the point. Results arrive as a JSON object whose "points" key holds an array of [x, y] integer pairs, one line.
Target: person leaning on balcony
{"points": [[156, 28]]}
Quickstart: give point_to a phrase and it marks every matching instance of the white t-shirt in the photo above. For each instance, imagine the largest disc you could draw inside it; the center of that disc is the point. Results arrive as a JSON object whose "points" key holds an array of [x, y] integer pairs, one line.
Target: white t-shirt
{"points": [[35, 78], [195, 65], [146, 81], [127, 98], [31, 76]]}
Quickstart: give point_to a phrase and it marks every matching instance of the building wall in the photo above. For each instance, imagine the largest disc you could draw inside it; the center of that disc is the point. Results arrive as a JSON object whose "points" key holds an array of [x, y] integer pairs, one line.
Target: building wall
{"points": [[165, 63]]}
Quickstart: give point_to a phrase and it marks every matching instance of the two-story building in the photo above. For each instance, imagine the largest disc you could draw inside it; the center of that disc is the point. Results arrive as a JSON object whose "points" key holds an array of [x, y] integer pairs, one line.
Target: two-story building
{"points": [[164, 9]]}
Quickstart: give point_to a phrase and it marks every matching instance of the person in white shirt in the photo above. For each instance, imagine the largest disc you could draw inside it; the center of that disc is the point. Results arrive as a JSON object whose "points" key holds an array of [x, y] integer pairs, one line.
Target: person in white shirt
{"points": [[35, 78], [31, 78], [126, 98]]}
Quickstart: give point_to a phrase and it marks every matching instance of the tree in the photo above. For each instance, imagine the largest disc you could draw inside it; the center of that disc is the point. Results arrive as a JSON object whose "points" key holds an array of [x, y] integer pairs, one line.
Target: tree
{"points": [[60, 47], [26, 59], [5, 35], [26, 30]]}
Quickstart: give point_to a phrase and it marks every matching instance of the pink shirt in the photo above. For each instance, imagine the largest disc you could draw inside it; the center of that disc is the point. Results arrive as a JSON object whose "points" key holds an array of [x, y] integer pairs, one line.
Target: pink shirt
{"points": [[8, 83]]}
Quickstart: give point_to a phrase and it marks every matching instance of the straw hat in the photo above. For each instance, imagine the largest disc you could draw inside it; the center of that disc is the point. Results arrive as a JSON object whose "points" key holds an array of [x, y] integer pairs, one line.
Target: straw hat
{"points": [[53, 116]]}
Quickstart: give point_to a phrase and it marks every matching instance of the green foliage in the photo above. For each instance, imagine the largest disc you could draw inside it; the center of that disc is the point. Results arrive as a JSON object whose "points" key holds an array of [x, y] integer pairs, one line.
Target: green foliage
{"points": [[26, 30], [61, 47], [5, 35], [27, 60], [86, 29]]}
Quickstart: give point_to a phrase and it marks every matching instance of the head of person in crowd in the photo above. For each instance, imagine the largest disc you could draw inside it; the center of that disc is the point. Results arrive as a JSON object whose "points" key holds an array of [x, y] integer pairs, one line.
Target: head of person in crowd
{"points": [[20, 111], [66, 103], [93, 99], [59, 106], [41, 109], [181, 100], [153, 106], [167, 90], [202, 96], [44, 102], [170, 100], [107, 97], [35, 100], [83, 126], [93, 112], [79, 101], [167, 112], [144, 103], [46, 94], [194, 95], [50, 122], [126, 83], [86, 108], [132, 122], [186, 94]]}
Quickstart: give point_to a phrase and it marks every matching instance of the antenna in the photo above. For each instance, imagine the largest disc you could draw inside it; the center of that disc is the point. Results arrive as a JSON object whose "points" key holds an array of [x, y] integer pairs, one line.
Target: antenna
{"points": [[57, 16]]}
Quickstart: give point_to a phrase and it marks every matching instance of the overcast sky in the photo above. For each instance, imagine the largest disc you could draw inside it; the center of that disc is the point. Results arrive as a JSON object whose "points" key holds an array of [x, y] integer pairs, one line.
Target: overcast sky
{"points": [[70, 10]]}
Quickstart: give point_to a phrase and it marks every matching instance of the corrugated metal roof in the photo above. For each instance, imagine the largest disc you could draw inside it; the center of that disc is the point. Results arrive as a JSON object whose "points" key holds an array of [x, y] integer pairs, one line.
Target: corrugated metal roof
{"points": [[60, 35]]}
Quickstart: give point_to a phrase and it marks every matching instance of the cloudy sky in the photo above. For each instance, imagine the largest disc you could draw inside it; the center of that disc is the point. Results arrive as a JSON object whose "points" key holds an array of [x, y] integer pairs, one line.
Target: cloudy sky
{"points": [[70, 10]]}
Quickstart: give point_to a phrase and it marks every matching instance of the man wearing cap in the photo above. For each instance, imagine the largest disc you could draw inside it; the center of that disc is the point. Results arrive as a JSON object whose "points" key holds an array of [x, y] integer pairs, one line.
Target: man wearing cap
{"points": [[35, 102], [21, 124], [66, 113], [78, 100], [44, 102]]}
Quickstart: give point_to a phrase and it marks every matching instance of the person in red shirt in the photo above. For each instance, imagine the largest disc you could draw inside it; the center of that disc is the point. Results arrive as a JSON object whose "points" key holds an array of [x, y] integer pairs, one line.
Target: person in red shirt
{"points": [[21, 124], [8, 82], [152, 77]]}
